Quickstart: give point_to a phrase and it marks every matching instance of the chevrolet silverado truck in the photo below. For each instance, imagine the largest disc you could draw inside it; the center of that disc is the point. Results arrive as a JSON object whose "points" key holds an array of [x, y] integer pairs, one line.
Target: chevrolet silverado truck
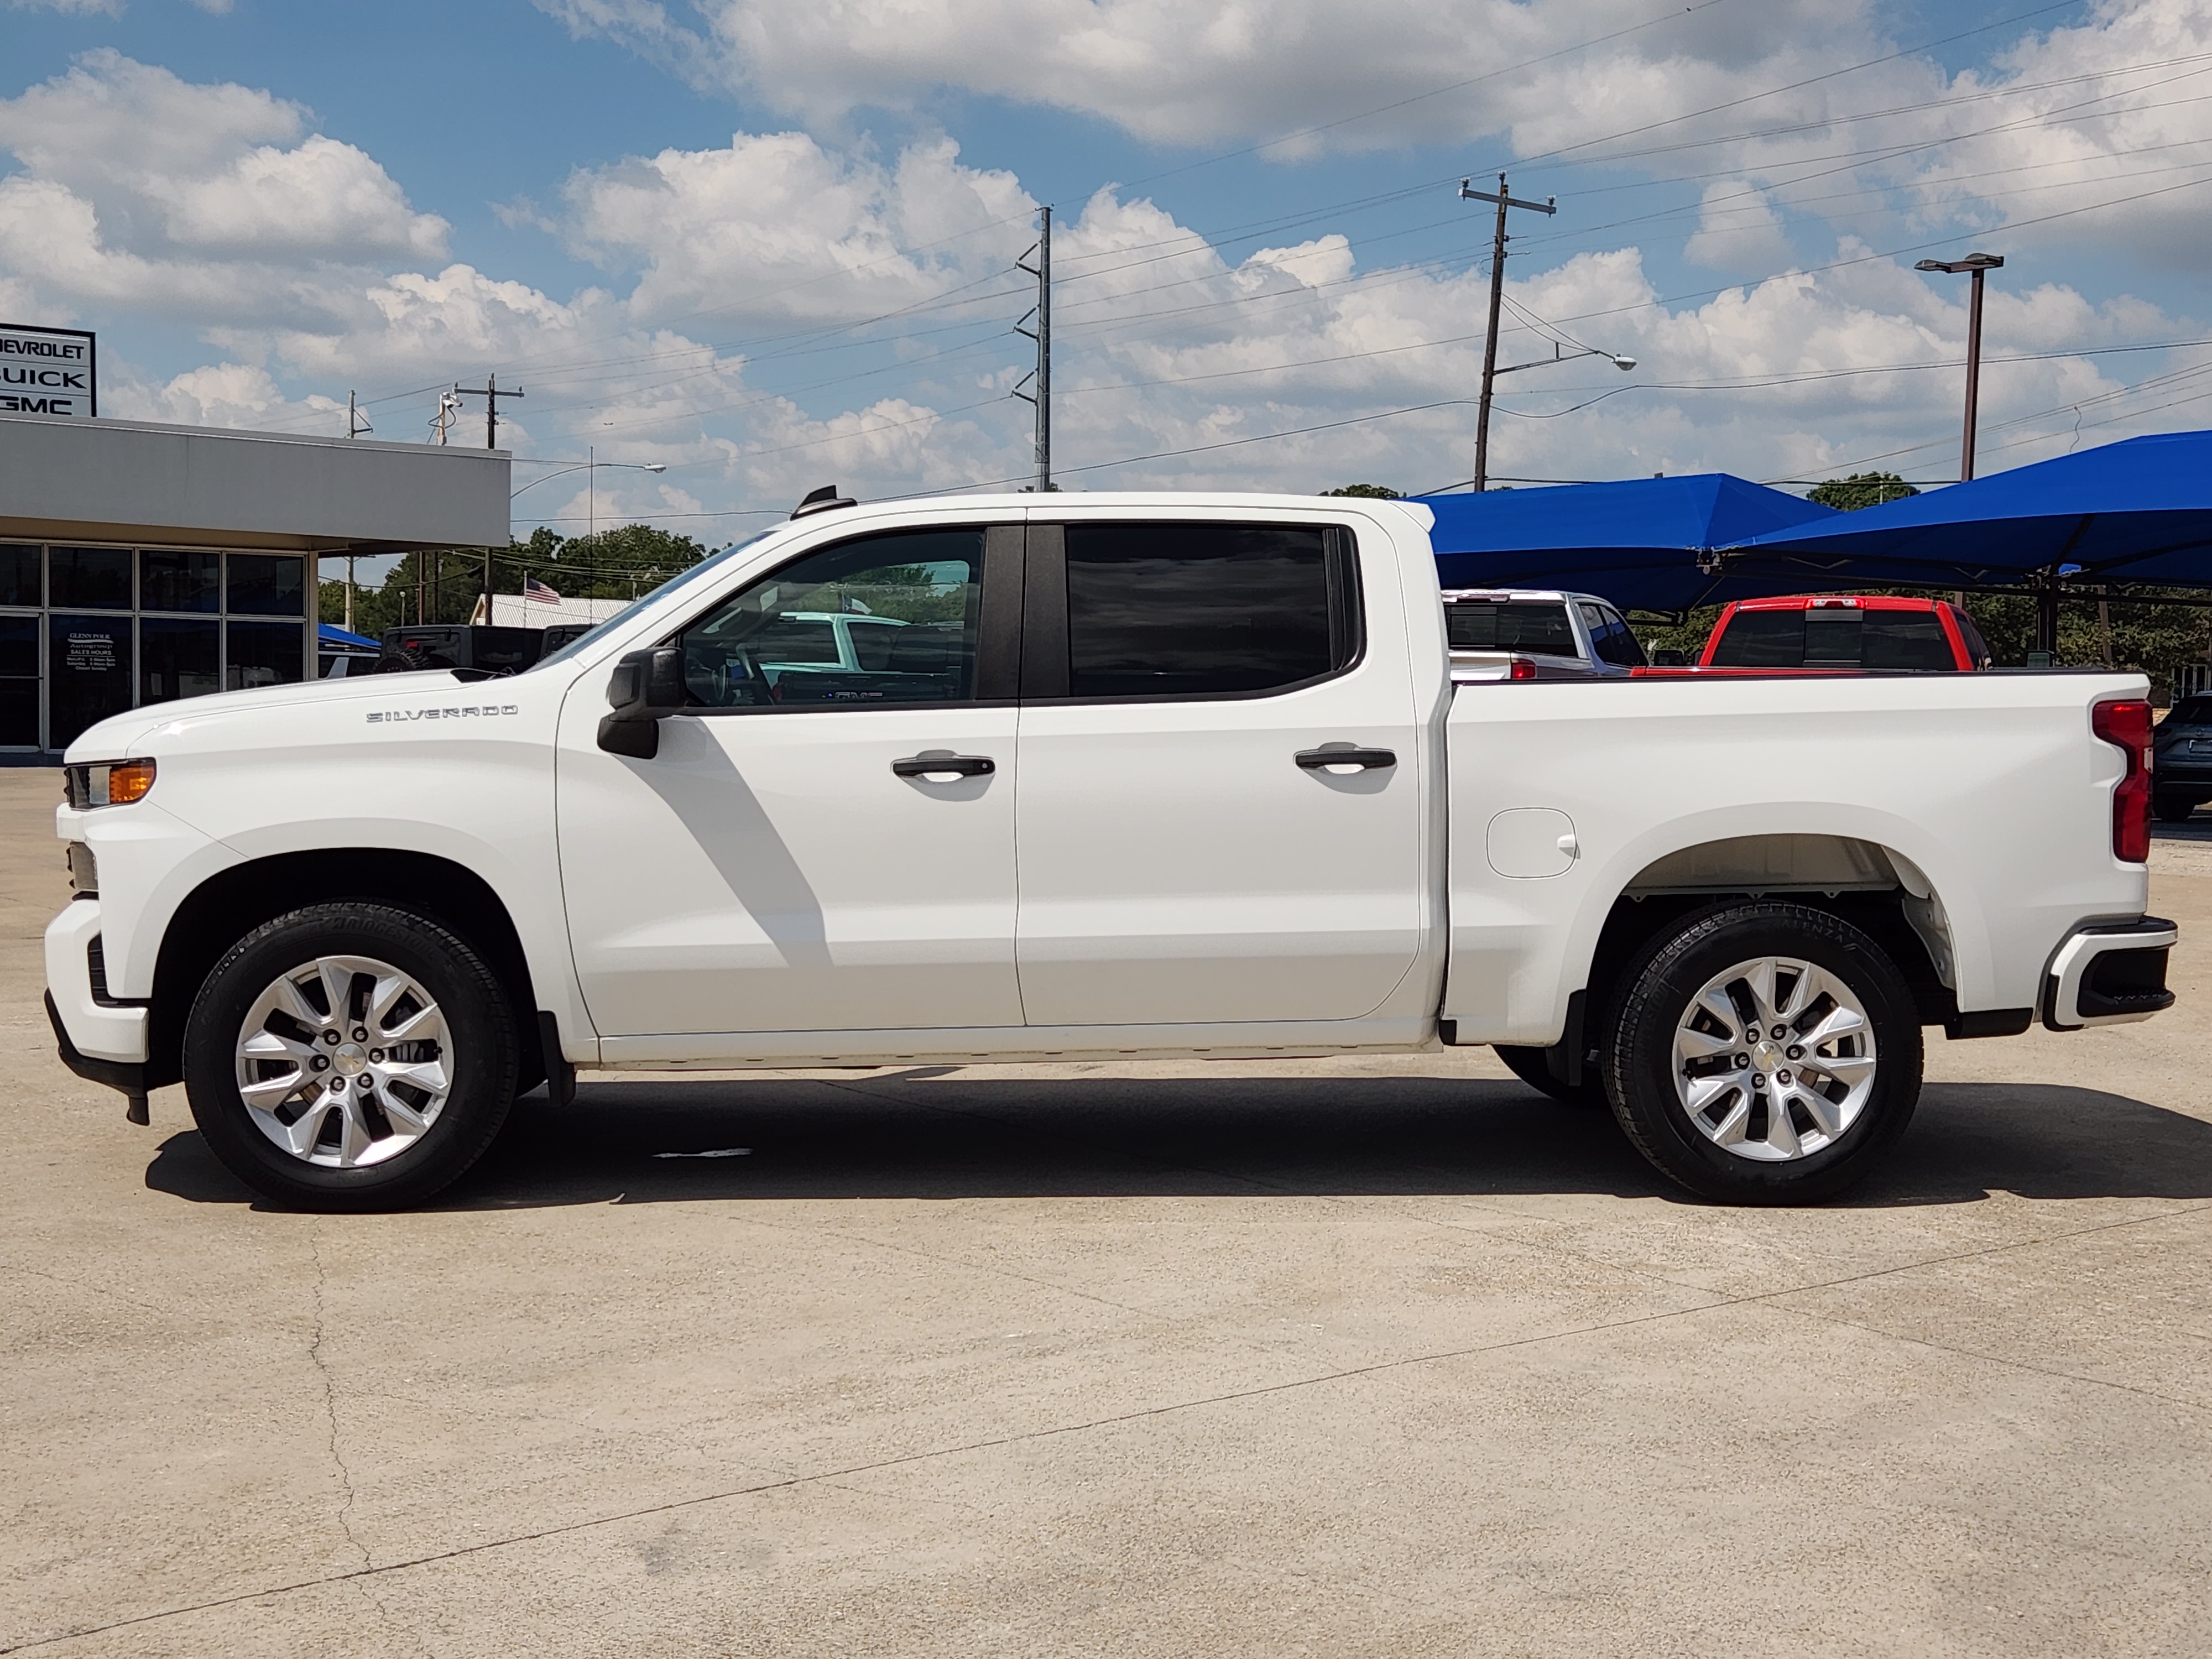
{"points": [[1113, 776]]}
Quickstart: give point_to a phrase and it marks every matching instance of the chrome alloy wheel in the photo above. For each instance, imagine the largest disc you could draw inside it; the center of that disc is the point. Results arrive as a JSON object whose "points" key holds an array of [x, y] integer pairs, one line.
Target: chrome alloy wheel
{"points": [[1774, 1059], [345, 1062]]}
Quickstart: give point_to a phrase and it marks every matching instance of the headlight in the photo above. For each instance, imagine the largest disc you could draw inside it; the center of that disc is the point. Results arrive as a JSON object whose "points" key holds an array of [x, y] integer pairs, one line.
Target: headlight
{"points": [[107, 783]]}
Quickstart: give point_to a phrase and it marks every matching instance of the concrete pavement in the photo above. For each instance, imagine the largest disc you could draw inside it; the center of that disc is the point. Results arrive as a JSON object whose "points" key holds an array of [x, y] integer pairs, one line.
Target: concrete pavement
{"points": [[1371, 1357]]}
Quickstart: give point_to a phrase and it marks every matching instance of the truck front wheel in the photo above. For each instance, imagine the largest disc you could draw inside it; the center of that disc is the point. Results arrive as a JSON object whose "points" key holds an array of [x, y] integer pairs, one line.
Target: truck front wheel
{"points": [[349, 1056], [1765, 1053]]}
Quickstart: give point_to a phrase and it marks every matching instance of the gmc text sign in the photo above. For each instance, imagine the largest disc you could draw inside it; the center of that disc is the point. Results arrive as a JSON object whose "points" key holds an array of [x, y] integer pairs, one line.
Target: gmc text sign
{"points": [[46, 371]]}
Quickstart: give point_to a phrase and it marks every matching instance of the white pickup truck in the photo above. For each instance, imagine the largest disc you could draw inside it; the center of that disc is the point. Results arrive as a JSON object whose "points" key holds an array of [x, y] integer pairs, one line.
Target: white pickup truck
{"points": [[1116, 776]]}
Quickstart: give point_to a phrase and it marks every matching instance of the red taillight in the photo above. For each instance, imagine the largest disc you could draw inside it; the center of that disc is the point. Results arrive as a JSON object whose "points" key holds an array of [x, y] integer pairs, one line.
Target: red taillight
{"points": [[2126, 725], [1523, 669]]}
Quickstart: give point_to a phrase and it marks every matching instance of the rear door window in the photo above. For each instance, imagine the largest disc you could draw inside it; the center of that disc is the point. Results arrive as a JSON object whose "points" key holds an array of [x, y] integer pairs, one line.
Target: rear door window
{"points": [[1174, 610], [1610, 638], [1977, 650], [1538, 625]]}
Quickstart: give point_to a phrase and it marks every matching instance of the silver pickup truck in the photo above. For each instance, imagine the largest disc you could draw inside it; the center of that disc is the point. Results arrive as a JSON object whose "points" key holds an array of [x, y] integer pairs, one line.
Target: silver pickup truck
{"points": [[1535, 634]]}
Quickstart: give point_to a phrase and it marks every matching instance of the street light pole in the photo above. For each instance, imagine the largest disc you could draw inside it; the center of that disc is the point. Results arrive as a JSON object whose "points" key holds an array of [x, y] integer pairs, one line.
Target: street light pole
{"points": [[590, 468], [1549, 204], [1977, 265]]}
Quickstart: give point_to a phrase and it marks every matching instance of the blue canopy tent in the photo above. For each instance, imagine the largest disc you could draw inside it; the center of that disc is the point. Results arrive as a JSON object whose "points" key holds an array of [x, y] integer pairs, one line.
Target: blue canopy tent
{"points": [[2139, 511], [1638, 543]]}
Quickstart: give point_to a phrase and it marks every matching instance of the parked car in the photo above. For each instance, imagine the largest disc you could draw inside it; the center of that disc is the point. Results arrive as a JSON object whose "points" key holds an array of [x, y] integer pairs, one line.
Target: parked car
{"points": [[2181, 759], [1532, 633], [1179, 776], [1846, 631]]}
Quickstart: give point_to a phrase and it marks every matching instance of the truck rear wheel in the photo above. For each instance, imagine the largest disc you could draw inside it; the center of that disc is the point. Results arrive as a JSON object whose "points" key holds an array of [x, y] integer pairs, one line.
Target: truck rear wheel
{"points": [[1532, 1069], [1764, 1054], [350, 1056]]}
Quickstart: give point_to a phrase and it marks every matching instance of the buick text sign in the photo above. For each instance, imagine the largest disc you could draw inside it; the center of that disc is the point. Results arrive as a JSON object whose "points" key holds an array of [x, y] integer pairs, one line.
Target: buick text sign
{"points": [[46, 371]]}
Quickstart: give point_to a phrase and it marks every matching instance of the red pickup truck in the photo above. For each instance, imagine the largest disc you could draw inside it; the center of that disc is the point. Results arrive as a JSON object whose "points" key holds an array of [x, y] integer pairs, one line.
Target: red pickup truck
{"points": [[1845, 631]]}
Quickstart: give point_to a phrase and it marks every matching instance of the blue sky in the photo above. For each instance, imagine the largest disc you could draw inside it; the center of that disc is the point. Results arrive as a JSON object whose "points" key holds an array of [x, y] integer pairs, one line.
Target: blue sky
{"points": [[768, 248]]}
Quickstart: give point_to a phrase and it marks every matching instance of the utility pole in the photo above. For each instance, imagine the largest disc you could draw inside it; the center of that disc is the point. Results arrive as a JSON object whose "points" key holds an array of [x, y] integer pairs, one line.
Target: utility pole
{"points": [[356, 422], [1042, 402], [491, 394], [1978, 265], [1549, 204]]}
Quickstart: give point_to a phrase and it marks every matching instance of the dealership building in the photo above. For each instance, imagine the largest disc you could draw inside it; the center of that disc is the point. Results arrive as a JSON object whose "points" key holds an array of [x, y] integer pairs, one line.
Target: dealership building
{"points": [[143, 562]]}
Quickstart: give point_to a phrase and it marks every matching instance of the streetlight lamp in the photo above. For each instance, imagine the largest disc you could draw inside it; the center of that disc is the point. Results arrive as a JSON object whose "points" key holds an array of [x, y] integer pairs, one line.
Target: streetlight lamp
{"points": [[1976, 265], [590, 467], [1623, 364]]}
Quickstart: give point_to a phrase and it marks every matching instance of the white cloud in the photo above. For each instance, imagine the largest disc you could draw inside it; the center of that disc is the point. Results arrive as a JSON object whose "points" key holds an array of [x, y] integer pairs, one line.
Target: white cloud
{"points": [[1738, 229], [139, 189], [299, 259], [1257, 69], [774, 227], [221, 394]]}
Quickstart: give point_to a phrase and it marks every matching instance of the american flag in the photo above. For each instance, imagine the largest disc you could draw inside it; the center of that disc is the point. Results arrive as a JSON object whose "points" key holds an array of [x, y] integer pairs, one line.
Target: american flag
{"points": [[534, 589]]}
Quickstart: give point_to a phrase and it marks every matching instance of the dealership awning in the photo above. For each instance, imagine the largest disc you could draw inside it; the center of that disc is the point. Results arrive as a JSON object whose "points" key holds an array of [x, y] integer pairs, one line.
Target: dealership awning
{"points": [[72, 479], [1637, 542], [2137, 511]]}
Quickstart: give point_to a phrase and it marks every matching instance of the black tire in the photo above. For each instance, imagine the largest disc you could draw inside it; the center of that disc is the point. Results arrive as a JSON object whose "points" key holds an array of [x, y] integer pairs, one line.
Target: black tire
{"points": [[1639, 1048], [402, 660], [2171, 809], [484, 1052], [1532, 1069]]}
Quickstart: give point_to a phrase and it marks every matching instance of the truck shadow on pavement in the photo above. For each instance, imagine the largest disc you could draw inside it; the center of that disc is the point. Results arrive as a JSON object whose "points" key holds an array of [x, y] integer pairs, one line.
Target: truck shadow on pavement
{"points": [[922, 1134]]}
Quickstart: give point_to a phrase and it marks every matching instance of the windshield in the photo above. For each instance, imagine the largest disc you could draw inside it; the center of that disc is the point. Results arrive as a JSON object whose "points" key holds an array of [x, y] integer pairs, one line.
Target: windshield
{"points": [[713, 562]]}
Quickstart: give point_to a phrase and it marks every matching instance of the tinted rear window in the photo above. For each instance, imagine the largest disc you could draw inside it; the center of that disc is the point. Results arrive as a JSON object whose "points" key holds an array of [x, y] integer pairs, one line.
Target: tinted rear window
{"points": [[1835, 637], [2191, 711], [1908, 640], [1762, 639], [1197, 609], [1515, 625]]}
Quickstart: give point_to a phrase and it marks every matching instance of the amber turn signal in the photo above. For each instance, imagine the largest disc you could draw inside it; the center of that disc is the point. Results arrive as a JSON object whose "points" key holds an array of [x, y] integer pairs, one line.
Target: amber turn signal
{"points": [[128, 781]]}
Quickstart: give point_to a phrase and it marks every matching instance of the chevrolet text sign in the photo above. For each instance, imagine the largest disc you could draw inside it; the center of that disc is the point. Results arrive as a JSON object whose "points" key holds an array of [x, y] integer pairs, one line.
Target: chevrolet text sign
{"points": [[46, 371]]}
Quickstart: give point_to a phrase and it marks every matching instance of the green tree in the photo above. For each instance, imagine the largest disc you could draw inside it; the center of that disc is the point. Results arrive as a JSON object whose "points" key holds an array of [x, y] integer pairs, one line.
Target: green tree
{"points": [[1861, 490], [443, 584], [615, 564], [1372, 492]]}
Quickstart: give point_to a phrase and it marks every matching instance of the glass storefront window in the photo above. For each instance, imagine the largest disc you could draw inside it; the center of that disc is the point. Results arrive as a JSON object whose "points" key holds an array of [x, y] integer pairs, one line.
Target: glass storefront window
{"points": [[268, 585], [90, 578], [180, 581], [18, 682], [178, 658], [264, 653], [88, 673], [178, 622], [19, 575]]}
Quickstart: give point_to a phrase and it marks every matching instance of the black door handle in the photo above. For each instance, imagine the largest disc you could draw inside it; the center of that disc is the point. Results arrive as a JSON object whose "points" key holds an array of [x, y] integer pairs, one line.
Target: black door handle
{"points": [[921, 766], [1314, 759]]}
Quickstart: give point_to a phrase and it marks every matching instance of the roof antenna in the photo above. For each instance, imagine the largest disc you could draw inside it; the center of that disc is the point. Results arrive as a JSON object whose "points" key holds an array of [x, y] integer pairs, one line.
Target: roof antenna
{"points": [[821, 501]]}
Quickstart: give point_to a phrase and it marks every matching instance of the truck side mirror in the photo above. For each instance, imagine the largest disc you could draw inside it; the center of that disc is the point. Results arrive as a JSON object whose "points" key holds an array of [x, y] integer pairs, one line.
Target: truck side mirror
{"points": [[646, 685], [1668, 656]]}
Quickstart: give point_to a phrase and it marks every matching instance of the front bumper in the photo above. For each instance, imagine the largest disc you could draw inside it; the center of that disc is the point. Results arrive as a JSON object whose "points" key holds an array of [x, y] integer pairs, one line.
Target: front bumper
{"points": [[99, 1026], [2110, 975]]}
